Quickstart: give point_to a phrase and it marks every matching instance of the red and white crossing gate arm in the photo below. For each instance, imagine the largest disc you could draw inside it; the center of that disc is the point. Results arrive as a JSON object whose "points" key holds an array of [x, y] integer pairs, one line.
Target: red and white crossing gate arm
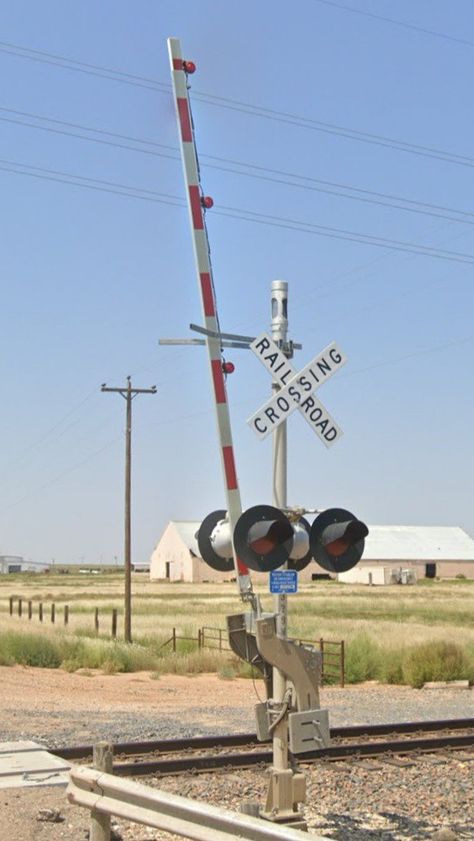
{"points": [[179, 72]]}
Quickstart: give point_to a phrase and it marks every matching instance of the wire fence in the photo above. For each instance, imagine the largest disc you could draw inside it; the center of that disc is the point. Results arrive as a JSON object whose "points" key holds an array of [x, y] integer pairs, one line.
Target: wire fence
{"points": [[332, 651]]}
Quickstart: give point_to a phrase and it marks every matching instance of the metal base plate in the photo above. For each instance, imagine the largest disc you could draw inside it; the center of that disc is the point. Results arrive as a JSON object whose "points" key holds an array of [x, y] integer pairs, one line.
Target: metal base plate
{"points": [[308, 730]]}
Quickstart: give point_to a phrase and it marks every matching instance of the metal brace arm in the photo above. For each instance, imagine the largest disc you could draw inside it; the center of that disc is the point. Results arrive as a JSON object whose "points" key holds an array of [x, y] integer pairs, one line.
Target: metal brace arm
{"points": [[243, 643], [299, 663]]}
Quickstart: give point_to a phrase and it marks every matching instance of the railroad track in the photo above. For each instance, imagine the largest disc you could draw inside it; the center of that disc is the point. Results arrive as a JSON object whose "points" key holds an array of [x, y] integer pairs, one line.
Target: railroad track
{"points": [[209, 753]]}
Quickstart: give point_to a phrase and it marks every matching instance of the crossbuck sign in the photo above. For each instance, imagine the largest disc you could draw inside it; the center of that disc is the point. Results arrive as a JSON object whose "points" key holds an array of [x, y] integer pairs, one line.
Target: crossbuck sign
{"points": [[296, 390]]}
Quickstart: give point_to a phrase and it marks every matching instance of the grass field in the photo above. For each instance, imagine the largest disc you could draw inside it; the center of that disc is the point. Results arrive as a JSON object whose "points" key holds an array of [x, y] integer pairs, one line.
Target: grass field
{"points": [[383, 627]]}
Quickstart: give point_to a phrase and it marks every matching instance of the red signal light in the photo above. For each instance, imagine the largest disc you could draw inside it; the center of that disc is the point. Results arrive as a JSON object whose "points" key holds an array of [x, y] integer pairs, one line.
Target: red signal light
{"points": [[207, 202], [189, 67], [228, 367]]}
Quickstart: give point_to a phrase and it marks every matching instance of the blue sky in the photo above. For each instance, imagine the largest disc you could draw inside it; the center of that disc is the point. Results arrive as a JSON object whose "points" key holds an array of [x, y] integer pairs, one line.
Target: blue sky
{"points": [[347, 109]]}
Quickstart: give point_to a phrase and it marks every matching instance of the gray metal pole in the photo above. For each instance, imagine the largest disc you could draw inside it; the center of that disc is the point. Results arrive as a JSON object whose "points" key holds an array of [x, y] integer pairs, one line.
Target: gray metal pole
{"points": [[279, 329]]}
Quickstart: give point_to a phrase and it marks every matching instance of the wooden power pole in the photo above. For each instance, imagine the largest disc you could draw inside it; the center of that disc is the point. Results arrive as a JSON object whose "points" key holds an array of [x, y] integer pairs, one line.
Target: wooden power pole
{"points": [[128, 393]]}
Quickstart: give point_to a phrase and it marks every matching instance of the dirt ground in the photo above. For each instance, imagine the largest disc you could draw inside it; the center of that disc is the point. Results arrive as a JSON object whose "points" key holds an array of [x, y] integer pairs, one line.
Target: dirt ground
{"points": [[38, 702]]}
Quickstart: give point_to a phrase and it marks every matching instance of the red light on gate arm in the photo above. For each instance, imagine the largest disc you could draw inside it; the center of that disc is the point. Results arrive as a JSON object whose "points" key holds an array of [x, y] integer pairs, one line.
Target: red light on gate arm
{"points": [[228, 367], [207, 202], [189, 66]]}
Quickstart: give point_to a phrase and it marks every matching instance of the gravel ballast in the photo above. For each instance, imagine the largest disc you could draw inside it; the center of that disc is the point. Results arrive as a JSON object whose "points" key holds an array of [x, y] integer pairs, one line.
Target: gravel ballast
{"points": [[355, 801]]}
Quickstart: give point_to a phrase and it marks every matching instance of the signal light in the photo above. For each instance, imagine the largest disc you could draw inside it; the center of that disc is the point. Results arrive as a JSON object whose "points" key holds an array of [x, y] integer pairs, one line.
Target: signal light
{"points": [[265, 539], [228, 367], [214, 541], [337, 540], [189, 67], [207, 202]]}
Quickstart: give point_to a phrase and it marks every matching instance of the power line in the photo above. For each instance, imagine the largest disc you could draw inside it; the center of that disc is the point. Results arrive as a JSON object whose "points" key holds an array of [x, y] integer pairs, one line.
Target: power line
{"points": [[237, 213], [237, 105], [339, 233], [46, 435], [397, 22], [334, 129], [304, 182], [46, 57]]}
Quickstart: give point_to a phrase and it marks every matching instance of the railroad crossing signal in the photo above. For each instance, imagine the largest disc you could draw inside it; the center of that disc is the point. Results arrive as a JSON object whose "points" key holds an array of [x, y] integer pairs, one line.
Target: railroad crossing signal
{"points": [[337, 540], [265, 538], [297, 389]]}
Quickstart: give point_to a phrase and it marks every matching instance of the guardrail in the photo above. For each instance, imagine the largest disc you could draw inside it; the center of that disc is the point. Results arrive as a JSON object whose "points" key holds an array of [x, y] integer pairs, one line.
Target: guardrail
{"points": [[106, 795]]}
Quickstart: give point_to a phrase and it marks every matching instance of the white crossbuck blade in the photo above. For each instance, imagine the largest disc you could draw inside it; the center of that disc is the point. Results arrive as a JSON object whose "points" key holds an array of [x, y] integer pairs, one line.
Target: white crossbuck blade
{"points": [[297, 389]]}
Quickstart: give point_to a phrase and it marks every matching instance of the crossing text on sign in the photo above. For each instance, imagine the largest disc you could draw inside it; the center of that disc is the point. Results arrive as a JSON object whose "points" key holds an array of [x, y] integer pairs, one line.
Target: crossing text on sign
{"points": [[296, 391]]}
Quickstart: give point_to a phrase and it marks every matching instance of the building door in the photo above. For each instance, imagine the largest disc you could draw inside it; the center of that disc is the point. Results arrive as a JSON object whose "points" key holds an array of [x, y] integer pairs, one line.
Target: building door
{"points": [[167, 569], [430, 570]]}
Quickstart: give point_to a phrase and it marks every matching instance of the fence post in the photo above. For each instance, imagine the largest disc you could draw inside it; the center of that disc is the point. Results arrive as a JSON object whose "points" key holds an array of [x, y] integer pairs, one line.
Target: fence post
{"points": [[66, 614], [321, 648], [203, 644], [20, 607], [30, 609], [11, 605], [100, 823], [343, 663], [199, 639], [40, 611], [174, 639], [96, 620], [114, 623], [220, 639], [53, 613]]}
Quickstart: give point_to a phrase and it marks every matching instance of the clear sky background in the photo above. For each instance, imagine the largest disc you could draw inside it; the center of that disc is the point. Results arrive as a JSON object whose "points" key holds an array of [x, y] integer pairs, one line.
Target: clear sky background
{"points": [[357, 119]]}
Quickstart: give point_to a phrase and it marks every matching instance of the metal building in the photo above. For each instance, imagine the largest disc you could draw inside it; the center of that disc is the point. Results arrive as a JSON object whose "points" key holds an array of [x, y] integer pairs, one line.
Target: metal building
{"points": [[404, 554], [393, 554], [11, 563]]}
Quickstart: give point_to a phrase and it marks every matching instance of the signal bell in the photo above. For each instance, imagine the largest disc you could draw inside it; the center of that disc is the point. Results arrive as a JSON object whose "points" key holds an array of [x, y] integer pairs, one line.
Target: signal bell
{"points": [[337, 540]]}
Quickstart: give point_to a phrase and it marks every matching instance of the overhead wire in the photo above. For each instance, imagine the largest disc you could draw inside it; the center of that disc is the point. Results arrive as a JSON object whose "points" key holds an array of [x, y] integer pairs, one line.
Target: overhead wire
{"points": [[236, 213], [396, 22], [67, 63], [238, 105], [45, 435], [303, 182]]}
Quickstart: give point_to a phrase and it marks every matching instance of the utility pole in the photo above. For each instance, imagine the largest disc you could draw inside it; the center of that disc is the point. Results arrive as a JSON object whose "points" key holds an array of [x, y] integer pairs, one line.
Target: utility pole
{"points": [[128, 393]]}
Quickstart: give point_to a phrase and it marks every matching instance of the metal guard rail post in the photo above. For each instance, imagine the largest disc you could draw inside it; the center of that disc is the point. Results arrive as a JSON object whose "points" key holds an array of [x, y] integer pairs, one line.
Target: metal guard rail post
{"points": [[172, 813]]}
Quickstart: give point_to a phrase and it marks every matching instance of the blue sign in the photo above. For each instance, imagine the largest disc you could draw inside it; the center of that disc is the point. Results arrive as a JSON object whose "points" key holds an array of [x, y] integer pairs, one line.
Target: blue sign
{"points": [[283, 581]]}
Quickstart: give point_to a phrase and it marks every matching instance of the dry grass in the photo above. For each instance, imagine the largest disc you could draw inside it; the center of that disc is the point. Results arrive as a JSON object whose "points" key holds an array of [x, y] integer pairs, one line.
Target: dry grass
{"points": [[394, 618]]}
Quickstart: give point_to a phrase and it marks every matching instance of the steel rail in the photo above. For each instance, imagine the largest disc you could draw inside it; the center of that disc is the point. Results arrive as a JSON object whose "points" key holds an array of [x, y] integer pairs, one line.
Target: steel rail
{"points": [[357, 750], [248, 739]]}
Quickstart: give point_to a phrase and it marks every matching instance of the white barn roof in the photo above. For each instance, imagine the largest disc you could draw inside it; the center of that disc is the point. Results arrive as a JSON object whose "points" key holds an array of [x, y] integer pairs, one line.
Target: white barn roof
{"points": [[418, 543], [186, 530], [386, 543]]}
